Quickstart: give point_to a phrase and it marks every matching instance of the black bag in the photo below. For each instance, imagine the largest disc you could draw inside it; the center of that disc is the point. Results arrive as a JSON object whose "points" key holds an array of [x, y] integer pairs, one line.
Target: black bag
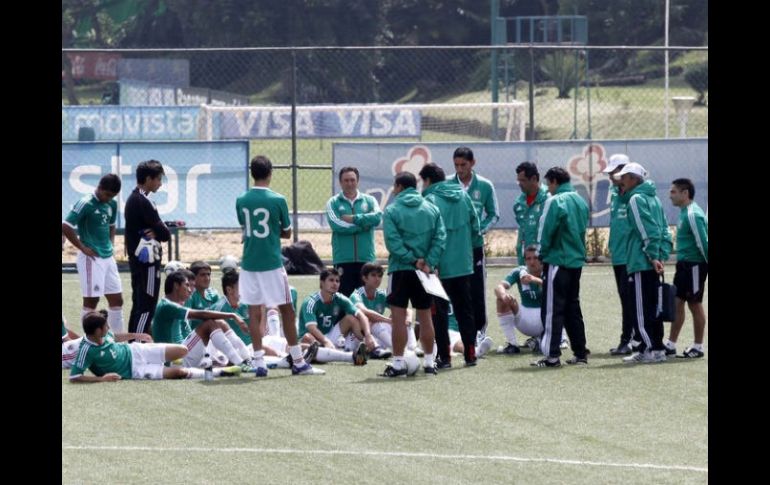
{"points": [[666, 301], [301, 258]]}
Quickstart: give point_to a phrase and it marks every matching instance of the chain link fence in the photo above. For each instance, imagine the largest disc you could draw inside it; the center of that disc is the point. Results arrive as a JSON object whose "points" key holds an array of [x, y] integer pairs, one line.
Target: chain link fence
{"points": [[221, 95]]}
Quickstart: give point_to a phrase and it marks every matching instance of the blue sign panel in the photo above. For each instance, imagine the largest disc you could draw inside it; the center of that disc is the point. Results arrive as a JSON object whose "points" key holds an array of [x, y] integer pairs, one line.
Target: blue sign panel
{"points": [[201, 183], [665, 160], [116, 123]]}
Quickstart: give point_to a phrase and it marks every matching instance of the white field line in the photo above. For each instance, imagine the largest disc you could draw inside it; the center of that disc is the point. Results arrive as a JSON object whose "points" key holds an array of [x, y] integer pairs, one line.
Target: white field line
{"points": [[359, 453]]}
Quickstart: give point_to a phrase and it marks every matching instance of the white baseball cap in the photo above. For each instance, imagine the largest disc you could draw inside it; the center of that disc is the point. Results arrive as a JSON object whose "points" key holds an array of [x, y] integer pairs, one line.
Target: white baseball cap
{"points": [[634, 168], [615, 161]]}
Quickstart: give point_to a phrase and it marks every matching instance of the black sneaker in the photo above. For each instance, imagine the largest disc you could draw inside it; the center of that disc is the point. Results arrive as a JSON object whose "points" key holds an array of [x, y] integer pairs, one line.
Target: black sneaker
{"points": [[391, 371], [471, 363], [361, 355], [443, 364], [430, 370], [380, 353], [670, 350], [577, 360], [511, 349], [311, 352], [544, 362], [621, 349], [691, 353]]}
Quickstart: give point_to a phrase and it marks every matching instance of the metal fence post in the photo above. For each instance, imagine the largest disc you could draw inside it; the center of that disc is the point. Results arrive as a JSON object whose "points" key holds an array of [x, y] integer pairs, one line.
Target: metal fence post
{"points": [[295, 215]]}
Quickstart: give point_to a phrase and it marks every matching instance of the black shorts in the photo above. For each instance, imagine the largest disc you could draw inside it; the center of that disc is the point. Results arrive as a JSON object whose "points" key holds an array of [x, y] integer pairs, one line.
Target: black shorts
{"points": [[404, 286], [690, 279]]}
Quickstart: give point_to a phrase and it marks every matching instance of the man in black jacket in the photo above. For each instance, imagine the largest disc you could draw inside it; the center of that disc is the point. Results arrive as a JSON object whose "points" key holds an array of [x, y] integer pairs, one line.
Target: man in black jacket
{"points": [[143, 222]]}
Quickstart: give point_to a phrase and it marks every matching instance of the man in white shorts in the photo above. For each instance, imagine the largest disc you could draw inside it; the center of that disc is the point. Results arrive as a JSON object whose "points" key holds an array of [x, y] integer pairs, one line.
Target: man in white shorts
{"points": [[94, 216], [264, 216], [524, 316], [111, 359]]}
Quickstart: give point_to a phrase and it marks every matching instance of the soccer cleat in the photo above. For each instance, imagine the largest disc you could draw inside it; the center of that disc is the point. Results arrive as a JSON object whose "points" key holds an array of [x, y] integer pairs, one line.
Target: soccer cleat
{"points": [[544, 362], [361, 355], [430, 370], [306, 370], [509, 349], [231, 371], [577, 360], [260, 372], [621, 349], [533, 344], [311, 352], [380, 353], [391, 371], [670, 348], [443, 364], [645, 357], [691, 353], [471, 362], [245, 366]]}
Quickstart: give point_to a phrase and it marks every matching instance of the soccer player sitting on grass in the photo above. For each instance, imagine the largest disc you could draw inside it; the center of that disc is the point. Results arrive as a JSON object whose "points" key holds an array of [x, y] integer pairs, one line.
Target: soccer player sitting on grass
{"points": [[170, 324], [109, 358], [70, 341], [330, 318], [371, 300], [524, 316]]}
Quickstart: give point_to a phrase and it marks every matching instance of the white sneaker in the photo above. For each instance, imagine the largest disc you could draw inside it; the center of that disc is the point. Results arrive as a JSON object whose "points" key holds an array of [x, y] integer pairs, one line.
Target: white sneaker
{"points": [[484, 347], [645, 357]]}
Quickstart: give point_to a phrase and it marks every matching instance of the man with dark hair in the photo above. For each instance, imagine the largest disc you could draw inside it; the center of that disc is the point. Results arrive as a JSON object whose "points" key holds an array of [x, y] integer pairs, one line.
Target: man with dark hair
{"points": [[692, 266], [649, 244], [482, 194], [373, 301], [562, 248], [143, 226], [618, 243], [264, 216], [352, 217], [203, 295], [415, 238], [94, 216], [528, 206], [455, 268]]}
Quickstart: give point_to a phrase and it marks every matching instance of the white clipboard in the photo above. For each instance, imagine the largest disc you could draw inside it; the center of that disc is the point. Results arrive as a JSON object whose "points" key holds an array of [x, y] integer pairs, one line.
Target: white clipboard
{"points": [[432, 284]]}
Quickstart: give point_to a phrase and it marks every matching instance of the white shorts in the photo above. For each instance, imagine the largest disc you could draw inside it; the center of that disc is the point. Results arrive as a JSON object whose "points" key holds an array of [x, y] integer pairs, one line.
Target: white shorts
{"points": [[196, 350], [147, 360], [528, 321], [69, 350], [454, 337], [98, 276], [269, 288]]}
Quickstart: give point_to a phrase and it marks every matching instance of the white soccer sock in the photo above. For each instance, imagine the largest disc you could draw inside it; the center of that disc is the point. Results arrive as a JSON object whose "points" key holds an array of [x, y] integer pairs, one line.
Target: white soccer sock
{"points": [[223, 345], [670, 344], [698, 347], [194, 373], [428, 359], [507, 322], [238, 344], [115, 319], [399, 362], [296, 354], [411, 341], [383, 334], [332, 355], [274, 323]]}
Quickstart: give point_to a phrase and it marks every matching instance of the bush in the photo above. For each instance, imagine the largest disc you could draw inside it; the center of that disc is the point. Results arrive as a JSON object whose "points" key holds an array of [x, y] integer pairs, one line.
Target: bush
{"points": [[698, 79]]}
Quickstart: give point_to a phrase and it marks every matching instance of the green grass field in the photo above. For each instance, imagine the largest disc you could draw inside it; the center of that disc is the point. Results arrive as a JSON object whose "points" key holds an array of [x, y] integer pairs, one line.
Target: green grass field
{"points": [[500, 422]]}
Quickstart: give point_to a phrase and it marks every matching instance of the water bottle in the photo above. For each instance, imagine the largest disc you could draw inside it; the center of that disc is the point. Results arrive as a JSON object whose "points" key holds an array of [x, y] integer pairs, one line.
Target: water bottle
{"points": [[208, 368], [522, 274]]}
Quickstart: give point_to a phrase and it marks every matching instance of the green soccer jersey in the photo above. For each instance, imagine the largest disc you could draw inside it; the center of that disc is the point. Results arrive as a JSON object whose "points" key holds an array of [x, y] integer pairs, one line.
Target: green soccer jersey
{"points": [[379, 304], [315, 312], [102, 359], [93, 220], [531, 294], [201, 302], [170, 325], [263, 214], [222, 305]]}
